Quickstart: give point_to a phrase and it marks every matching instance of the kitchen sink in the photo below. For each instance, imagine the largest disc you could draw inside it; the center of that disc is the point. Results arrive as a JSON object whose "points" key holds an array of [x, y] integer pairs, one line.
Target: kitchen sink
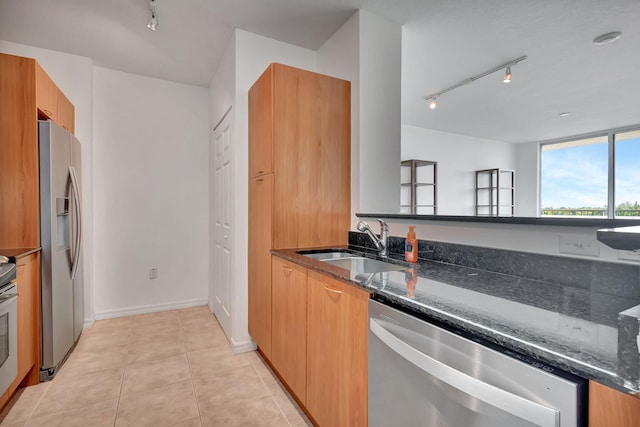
{"points": [[328, 255], [358, 264]]}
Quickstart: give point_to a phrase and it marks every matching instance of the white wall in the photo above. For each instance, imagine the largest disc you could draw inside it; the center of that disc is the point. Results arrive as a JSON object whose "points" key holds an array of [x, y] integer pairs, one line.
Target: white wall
{"points": [[379, 157], [527, 181], [74, 76], [340, 57], [150, 193], [458, 158]]}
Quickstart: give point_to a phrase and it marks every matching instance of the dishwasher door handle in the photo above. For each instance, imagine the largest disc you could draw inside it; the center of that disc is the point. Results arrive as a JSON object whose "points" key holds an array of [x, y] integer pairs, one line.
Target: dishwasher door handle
{"points": [[501, 399]]}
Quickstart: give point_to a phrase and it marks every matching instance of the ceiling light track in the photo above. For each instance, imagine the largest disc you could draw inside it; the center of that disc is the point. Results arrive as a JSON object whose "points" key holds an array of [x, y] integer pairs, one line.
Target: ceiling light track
{"points": [[152, 23], [507, 78]]}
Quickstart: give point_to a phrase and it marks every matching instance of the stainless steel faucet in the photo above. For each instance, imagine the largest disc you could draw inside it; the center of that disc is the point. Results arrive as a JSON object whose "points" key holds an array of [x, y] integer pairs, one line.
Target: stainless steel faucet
{"points": [[382, 242]]}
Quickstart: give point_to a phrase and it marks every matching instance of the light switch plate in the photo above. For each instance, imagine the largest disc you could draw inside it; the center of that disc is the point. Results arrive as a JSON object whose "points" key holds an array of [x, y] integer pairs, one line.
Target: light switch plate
{"points": [[579, 245]]}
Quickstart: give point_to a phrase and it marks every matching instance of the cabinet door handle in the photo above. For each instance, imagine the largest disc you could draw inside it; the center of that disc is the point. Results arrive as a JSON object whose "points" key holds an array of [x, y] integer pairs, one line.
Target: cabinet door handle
{"points": [[259, 180], [287, 270], [48, 113], [259, 172], [328, 289]]}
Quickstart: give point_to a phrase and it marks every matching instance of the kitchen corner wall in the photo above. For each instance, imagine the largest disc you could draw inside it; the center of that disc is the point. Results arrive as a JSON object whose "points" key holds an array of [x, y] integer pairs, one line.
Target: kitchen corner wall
{"points": [[150, 193]]}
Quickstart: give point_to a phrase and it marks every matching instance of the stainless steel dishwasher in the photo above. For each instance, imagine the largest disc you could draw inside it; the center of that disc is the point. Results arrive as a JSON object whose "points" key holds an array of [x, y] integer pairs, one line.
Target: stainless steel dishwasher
{"points": [[423, 375]]}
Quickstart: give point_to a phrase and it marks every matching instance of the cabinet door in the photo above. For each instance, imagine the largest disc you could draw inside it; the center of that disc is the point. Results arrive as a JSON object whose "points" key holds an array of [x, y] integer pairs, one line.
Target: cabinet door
{"points": [[312, 159], [261, 125], [66, 112], [28, 283], [46, 94], [336, 352], [19, 185], [289, 324], [608, 407], [259, 259]]}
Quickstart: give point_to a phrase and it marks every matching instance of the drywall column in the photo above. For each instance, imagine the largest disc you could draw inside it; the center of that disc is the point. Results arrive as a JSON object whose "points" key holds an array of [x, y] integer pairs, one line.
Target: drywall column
{"points": [[527, 181], [380, 49]]}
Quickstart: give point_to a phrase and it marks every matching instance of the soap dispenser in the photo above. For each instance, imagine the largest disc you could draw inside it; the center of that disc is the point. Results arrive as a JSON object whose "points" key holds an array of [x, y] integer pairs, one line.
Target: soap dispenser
{"points": [[411, 245]]}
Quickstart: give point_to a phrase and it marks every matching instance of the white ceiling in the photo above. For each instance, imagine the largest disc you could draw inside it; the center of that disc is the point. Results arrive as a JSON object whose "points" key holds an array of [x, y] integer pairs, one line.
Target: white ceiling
{"points": [[443, 42]]}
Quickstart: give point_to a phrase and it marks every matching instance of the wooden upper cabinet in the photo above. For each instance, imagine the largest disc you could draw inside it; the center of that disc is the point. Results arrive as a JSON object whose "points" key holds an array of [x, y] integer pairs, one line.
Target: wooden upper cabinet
{"points": [[66, 112], [19, 181], [336, 352], [312, 158], [261, 125], [46, 94], [289, 324]]}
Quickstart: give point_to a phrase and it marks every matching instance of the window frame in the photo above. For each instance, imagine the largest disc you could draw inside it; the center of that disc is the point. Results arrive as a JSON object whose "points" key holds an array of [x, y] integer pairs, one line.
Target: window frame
{"points": [[611, 167]]}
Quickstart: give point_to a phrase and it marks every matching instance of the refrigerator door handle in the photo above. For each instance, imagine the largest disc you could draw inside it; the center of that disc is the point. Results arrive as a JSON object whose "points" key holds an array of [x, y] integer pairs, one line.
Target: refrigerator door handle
{"points": [[78, 214]]}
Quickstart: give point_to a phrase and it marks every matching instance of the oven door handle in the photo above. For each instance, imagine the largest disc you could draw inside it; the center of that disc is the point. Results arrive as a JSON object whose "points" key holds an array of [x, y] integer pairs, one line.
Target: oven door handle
{"points": [[502, 399]]}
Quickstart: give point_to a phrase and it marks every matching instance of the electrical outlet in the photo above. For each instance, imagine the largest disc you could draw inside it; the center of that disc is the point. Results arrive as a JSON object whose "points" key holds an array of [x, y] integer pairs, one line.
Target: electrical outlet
{"points": [[629, 255], [579, 245], [153, 273]]}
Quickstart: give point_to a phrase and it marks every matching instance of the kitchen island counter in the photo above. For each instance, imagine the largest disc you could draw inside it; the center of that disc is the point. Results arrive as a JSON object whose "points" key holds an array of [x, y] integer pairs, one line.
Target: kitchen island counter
{"points": [[588, 333]]}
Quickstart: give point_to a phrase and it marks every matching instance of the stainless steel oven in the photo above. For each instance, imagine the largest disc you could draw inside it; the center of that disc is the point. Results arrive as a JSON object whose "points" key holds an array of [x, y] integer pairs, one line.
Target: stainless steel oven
{"points": [[8, 327], [421, 374]]}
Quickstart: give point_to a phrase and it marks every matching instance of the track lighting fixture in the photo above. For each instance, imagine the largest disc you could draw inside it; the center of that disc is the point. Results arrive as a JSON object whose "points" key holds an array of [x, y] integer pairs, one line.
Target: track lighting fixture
{"points": [[507, 75], [152, 23], [507, 78]]}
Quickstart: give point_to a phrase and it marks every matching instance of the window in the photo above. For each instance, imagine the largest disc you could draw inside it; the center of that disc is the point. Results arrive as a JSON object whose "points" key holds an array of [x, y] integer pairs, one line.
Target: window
{"points": [[627, 174], [591, 177]]}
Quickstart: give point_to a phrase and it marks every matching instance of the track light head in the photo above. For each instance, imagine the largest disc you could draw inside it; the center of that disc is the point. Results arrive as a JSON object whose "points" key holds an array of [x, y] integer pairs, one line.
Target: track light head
{"points": [[434, 103], [507, 75], [152, 23]]}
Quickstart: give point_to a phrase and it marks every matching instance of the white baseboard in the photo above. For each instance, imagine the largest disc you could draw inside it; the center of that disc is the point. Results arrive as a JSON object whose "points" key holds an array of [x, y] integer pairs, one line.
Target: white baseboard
{"points": [[237, 346], [131, 311], [243, 346], [88, 323]]}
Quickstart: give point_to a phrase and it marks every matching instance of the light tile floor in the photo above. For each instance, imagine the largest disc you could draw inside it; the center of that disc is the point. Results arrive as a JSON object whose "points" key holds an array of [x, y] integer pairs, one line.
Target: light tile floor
{"points": [[172, 368]]}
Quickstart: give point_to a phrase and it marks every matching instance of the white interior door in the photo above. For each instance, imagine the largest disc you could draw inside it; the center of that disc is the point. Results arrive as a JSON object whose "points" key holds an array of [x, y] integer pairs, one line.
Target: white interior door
{"points": [[221, 224]]}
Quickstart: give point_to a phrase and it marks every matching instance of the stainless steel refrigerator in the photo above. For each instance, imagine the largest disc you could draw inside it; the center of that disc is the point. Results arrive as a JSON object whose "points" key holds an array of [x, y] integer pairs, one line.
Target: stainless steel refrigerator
{"points": [[62, 293]]}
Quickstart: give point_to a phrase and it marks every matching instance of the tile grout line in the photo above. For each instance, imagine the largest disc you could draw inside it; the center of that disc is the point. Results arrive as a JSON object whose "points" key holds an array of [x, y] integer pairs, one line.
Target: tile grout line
{"points": [[268, 389], [193, 386], [33, 411], [124, 373]]}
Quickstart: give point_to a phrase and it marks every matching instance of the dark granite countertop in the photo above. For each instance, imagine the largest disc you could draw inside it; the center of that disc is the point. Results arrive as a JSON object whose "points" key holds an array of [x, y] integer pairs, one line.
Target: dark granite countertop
{"points": [[584, 332]]}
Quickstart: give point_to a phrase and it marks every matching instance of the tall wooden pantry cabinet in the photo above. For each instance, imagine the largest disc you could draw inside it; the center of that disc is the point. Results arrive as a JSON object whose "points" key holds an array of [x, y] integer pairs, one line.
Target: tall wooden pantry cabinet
{"points": [[299, 175]]}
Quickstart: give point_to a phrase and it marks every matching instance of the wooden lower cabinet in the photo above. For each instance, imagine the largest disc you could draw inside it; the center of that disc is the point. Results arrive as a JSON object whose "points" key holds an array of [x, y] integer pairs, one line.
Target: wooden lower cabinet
{"points": [[28, 280], [611, 408], [336, 352], [28, 285], [259, 260], [289, 325]]}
